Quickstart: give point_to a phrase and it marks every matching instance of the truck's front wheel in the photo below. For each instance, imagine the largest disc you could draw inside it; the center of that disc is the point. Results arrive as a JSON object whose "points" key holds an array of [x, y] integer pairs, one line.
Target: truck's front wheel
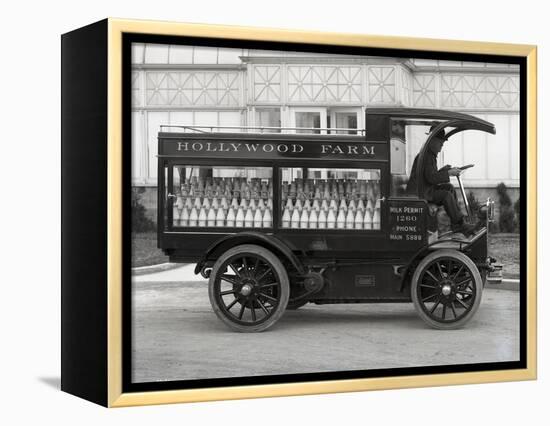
{"points": [[248, 288], [446, 289]]}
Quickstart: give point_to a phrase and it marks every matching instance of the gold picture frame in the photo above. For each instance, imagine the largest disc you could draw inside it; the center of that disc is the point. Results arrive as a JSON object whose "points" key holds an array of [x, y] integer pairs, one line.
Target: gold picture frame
{"points": [[116, 28]]}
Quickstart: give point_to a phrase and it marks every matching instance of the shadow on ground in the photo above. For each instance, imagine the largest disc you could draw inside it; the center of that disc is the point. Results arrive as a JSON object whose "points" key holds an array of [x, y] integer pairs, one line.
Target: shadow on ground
{"points": [[53, 382]]}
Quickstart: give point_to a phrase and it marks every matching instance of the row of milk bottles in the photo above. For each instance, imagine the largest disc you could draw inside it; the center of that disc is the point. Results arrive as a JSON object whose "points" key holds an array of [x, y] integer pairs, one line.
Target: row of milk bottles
{"points": [[240, 217], [335, 204], [224, 202], [349, 189], [189, 211], [343, 217], [237, 187]]}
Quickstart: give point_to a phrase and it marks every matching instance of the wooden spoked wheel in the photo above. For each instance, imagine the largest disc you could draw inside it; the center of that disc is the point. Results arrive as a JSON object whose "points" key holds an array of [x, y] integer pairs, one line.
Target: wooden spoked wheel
{"points": [[249, 288], [446, 289]]}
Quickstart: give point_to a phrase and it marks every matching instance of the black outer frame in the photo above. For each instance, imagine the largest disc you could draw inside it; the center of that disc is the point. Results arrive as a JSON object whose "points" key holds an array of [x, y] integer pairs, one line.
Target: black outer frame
{"points": [[84, 325], [128, 386], [84, 212]]}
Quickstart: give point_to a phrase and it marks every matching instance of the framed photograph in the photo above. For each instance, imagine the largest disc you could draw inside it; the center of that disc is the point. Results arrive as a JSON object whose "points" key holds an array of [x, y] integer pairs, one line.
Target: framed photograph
{"points": [[252, 212]]}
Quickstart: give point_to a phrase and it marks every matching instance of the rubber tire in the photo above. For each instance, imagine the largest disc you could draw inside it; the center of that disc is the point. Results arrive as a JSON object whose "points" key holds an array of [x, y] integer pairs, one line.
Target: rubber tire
{"points": [[279, 269], [477, 282]]}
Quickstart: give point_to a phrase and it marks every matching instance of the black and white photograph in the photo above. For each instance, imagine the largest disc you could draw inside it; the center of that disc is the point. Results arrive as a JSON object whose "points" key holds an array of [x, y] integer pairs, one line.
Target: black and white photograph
{"points": [[285, 213], [304, 214]]}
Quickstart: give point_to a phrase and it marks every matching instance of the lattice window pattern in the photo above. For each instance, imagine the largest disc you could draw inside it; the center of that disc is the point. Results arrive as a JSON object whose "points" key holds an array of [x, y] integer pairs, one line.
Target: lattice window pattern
{"points": [[424, 90], [193, 88], [335, 84], [381, 84], [267, 83], [479, 91]]}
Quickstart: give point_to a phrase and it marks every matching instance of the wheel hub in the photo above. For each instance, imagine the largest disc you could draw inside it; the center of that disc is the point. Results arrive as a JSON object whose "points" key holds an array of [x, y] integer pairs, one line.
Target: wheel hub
{"points": [[446, 289], [246, 289], [313, 282]]}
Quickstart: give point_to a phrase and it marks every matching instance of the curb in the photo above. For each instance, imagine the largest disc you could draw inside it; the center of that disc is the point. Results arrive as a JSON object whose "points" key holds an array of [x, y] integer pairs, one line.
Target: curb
{"points": [[145, 270], [506, 284]]}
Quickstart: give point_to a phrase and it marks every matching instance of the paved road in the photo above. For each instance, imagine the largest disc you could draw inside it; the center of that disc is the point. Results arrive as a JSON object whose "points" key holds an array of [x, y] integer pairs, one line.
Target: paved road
{"points": [[178, 337]]}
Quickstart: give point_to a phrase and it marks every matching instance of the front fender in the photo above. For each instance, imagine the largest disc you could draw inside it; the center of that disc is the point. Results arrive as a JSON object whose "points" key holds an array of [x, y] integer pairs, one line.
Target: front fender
{"points": [[474, 247]]}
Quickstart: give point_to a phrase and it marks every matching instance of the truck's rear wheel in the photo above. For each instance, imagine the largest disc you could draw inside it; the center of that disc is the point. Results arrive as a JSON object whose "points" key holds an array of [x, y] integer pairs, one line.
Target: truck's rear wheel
{"points": [[446, 289], [248, 288]]}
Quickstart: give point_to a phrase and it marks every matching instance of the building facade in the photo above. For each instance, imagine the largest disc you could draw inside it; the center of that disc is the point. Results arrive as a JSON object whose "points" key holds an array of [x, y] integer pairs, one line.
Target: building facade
{"points": [[204, 86]]}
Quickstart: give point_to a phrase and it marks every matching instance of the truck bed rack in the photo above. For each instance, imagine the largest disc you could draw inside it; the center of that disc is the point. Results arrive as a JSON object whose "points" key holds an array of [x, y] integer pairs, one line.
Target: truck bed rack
{"points": [[263, 129]]}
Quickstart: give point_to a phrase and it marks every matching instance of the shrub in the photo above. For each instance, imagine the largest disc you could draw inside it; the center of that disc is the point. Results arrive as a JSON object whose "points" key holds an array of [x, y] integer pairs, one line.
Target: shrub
{"points": [[473, 203], [506, 220], [140, 221], [493, 227], [503, 197]]}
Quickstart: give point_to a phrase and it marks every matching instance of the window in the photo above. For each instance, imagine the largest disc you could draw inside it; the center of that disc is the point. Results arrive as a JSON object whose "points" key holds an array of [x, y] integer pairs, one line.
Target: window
{"points": [[235, 197], [342, 120], [398, 159], [309, 122], [322, 198], [268, 117], [317, 119]]}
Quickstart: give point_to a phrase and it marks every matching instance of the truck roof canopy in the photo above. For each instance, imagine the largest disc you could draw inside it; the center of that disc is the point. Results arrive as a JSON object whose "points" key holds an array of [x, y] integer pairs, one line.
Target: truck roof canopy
{"points": [[460, 120]]}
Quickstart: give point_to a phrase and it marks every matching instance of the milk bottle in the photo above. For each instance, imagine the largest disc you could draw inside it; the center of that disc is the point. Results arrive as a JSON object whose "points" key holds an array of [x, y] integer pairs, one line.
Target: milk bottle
{"points": [[295, 220], [367, 221], [193, 217], [359, 219], [350, 219], [211, 217], [184, 217], [341, 219], [249, 219], [220, 217], [202, 217], [239, 220], [286, 218], [313, 219], [304, 219], [376, 219], [322, 220], [231, 217], [331, 219], [266, 220], [258, 219]]}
